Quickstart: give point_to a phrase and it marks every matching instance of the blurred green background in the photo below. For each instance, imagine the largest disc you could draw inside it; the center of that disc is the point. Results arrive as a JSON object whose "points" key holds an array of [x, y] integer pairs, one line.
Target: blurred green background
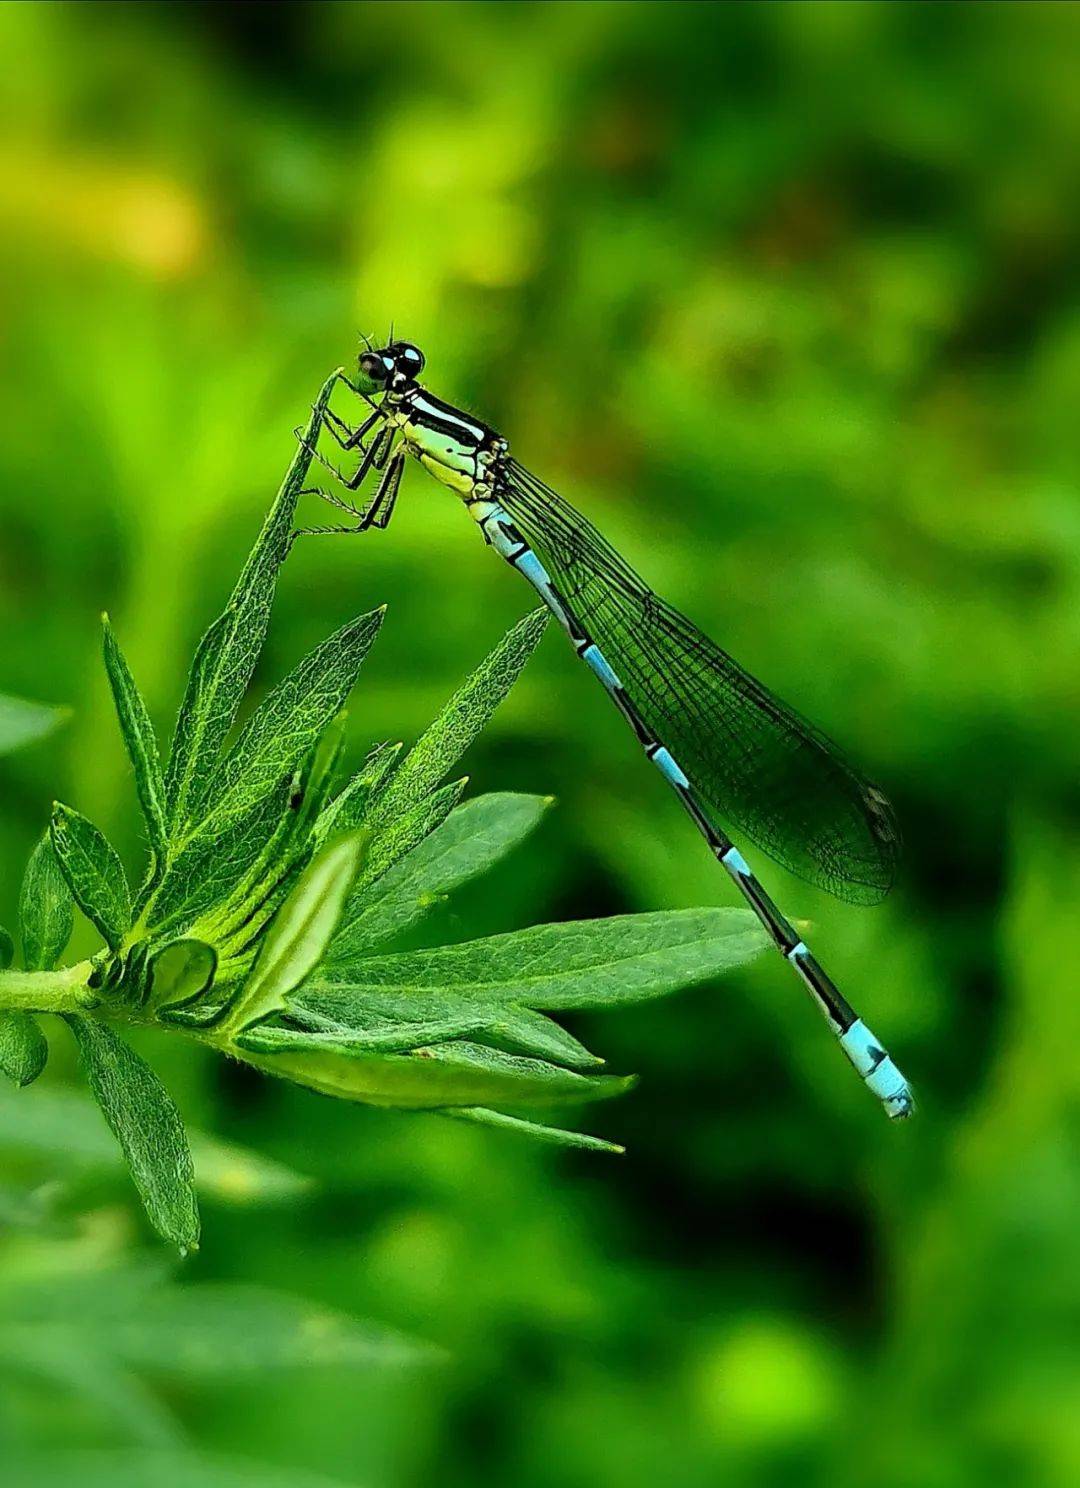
{"points": [[786, 297]]}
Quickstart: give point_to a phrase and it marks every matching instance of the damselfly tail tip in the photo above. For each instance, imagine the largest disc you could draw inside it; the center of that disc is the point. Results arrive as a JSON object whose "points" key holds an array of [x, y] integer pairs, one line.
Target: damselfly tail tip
{"points": [[900, 1106]]}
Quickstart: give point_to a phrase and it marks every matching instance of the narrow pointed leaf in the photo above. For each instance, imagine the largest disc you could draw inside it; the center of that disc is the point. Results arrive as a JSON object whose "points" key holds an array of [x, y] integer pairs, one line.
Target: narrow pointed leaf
{"points": [[396, 837], [46, 908], [389, 1038], [227, 653], [23, 1048], [451, 1074], [383, 1020], [94, 873], [582, 964], [289, 722], [553, 1135], [472, 839], [300, 933], [533, 1033], [346, 811], [148, 1127], [139, 741], [438, 750]]}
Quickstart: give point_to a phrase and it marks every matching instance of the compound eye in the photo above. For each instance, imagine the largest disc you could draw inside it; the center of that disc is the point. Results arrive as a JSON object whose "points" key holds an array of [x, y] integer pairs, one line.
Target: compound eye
{"points": [[375, 366], [412, 358]]}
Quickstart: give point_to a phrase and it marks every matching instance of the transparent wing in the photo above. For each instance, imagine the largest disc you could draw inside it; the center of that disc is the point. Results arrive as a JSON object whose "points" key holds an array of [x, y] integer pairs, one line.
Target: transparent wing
{"points": [[757, 765]]}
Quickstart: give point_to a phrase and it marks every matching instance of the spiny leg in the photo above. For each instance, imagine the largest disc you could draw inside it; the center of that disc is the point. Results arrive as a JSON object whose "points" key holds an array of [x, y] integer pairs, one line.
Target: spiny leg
{"points": [[374, 457], [348, 438], [378, 511], [387, 494]]}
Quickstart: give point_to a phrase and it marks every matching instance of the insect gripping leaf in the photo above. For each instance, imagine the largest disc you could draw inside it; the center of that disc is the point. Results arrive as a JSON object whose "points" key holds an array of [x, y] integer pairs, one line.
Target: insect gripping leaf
{"points": [[46, 909], [94, 873], [139, 740], [147, 1125]]}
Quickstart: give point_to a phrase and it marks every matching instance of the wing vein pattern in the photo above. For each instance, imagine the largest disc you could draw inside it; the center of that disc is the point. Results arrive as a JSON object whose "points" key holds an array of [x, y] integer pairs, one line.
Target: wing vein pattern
{"points": [[757, 766]]}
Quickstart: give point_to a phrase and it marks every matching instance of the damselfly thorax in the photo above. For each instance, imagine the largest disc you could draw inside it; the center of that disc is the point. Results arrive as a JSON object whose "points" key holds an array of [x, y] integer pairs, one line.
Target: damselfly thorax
{"points": [[462, 453], [733, 752]]}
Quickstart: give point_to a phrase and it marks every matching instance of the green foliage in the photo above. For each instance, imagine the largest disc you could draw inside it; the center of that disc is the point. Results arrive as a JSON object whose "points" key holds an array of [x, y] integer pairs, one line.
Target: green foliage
{"points": [[267, 892], [140, 743], [457, 725], [94, 873], [784, 298], [23, 1048], [148, 1127], [299, 935], [161, 1467], [583, 964], [227, 653], [46, 909]]}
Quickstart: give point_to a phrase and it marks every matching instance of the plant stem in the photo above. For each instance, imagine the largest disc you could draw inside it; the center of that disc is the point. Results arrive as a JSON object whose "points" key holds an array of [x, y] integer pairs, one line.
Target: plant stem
{"points": [[62, 991]]}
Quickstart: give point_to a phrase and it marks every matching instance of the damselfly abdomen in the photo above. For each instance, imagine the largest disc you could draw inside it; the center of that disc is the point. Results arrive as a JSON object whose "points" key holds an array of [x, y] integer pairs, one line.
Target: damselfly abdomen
{"points": [[736, 756]]}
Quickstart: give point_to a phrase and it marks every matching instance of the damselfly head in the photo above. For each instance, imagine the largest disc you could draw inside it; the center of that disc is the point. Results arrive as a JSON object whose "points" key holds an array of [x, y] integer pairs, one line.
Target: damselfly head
{"points": [[396, 364]]}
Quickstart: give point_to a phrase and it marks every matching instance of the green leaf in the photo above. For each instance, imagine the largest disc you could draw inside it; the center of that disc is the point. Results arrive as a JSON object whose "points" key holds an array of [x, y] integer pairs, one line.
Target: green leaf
{"points": [[582, 964], [181, 973], [94, 873], [227, 653], [346, 811], [533, 1033], [554, 1135], [393, 1024], [397, 836], [255, 898], [289, 722], [46, 908], [211, 866], [23, 1048], [148, 1127], [139, 741], [22, 722], [451, 1074], [464, 716], [473, 838], [300, 933], [389, 1038], [7, 948]]}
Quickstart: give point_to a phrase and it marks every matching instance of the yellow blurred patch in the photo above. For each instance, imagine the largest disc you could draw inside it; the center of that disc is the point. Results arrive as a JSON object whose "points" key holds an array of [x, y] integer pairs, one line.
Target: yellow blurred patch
{"points": [[144, 219]]}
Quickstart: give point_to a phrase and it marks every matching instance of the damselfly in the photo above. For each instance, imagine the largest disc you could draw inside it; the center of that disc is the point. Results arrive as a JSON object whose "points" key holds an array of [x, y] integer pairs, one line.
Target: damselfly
{"points": [[735, 755]]}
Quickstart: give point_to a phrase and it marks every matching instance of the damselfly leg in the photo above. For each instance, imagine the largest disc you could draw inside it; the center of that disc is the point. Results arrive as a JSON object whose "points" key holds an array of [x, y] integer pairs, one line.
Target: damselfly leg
{"points": [[376, 457]]}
